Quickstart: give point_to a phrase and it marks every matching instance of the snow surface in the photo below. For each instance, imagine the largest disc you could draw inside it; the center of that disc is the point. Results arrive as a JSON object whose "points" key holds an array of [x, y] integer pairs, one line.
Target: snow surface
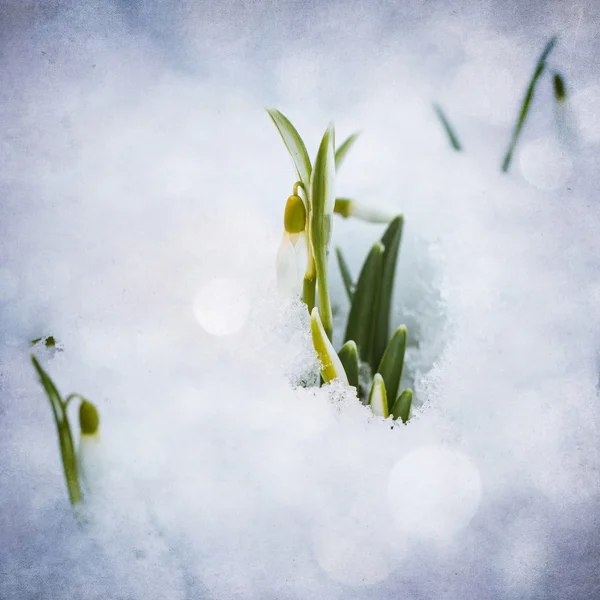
{"points": [[143, 188]]}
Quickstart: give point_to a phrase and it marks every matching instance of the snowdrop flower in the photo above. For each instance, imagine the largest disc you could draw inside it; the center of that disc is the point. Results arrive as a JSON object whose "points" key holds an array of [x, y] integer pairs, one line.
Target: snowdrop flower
{"points": [[292, 256], [89, 455], [350, 208]]}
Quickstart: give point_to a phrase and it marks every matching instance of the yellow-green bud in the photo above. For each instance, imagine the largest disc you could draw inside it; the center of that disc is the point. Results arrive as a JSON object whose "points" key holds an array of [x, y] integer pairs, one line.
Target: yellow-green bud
{"points": [[294, 218], [88, 418]]}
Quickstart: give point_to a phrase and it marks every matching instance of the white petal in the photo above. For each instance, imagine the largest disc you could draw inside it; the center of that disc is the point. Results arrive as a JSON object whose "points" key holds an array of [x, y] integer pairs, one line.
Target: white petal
{"points": [[90, 462], [289, 278], [370, 214]]}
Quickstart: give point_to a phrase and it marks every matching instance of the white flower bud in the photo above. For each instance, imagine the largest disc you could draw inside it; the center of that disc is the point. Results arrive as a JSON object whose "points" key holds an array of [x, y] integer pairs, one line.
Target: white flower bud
{"points": [[351, 208], [292, 259]]}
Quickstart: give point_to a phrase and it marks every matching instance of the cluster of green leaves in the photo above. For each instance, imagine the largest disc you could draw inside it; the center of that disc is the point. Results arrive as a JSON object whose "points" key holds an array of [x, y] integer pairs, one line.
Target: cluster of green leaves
{"points": [[559, 96], [88, 417], [367, 339]]}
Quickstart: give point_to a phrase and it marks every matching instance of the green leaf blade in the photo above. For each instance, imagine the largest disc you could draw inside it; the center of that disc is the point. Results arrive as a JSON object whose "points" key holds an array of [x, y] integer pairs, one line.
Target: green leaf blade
{"points": [[331, 365], [401, 408], [392, 362], [378, 397], [293, 142], [364, 303], [345, 271], [349, 358], [342, 151], [391, 241], [539, 69], [322, 199], [450, 131]]}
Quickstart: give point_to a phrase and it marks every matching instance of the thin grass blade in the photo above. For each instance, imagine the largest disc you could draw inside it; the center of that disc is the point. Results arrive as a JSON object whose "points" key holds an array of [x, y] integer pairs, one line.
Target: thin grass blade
{"points": [[381, 333], [378, 397], [345, 271], [539, 69], [342, 151], [363, 311], [401, 408], [293, 142], [392, 362], [349, 358], [450, 131]]}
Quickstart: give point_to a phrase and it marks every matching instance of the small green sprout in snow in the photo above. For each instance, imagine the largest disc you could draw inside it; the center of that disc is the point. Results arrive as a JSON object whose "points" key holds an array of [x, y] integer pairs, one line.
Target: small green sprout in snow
{"points": [[89, 425]]}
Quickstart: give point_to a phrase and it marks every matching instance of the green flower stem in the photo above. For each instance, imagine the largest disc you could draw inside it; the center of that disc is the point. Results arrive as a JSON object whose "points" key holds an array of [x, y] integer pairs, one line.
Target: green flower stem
{"points": [[539, 69]]}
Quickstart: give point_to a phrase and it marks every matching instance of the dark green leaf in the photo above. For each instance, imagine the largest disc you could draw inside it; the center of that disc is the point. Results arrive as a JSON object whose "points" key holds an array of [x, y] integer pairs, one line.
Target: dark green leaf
{"points": [[349, 357], [401, 408], [53, 396], [539, 69], [345, 271], [364, 303], [381, 332], [393, 361]]}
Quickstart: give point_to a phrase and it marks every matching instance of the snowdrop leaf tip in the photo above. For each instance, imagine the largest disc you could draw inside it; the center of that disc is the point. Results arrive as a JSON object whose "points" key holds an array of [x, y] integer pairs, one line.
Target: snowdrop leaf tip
{"points": [[342, 151], [378, 397], [294, 143], [391, 240], [349, 358], [331, 365], [365, 302], [401, 408], [392, 361]]}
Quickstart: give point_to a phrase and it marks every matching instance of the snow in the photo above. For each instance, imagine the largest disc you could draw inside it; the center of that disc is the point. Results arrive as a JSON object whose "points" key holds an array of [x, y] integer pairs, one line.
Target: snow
{"points": [[143, 188]]}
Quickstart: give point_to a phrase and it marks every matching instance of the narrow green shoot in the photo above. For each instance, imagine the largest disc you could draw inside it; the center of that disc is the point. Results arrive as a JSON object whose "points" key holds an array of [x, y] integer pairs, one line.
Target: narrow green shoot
{"points": [[378, 397], [401, 408], [331, 365], [342, 151], [293, 142], [539, 69], [392, 362], [363, 311], [345, 271], [349, 358], [322, 198], [450, 132], [49, 341], [67, 449], [381, 329], [560, 89]]}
